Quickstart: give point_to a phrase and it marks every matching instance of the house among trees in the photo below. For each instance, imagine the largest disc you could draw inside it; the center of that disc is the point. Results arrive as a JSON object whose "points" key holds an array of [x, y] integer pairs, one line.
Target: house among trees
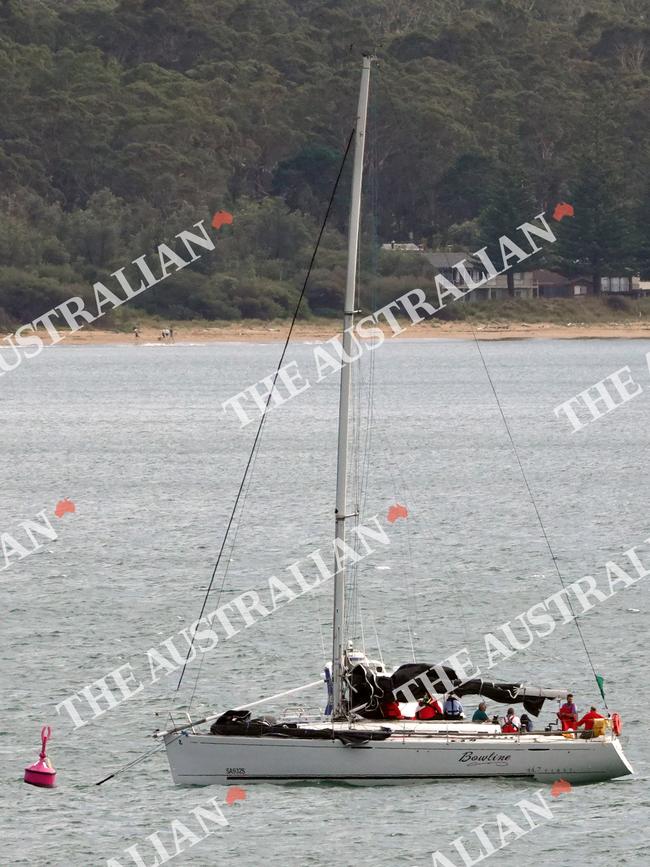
{"points": [[539, 283], [495, 289], [492, 290], [551, 284], [403, 248]]}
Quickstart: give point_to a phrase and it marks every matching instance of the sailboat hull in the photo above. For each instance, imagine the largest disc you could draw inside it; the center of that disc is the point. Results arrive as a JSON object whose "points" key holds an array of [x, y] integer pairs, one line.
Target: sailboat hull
{"points": [[202, 760]]}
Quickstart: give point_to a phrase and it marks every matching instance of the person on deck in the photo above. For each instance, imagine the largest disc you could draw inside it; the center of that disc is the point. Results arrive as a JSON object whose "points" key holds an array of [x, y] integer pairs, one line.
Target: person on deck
{"points": [[588, 722], [526, 723], [568, 714], [389, 709], [511, 722], [479, 714], [429, 709], [453, 707]]}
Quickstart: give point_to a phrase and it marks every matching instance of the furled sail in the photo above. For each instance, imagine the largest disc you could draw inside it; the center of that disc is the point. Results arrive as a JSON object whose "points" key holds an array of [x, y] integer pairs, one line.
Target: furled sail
{"points": [[415, 680]]}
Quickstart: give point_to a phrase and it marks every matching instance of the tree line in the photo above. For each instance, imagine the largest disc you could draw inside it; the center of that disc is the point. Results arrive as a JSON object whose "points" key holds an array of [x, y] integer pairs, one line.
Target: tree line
{"points": [[123, 122]]}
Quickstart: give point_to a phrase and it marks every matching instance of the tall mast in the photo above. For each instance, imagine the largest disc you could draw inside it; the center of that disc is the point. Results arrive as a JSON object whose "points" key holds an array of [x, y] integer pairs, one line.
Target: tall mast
{"points": [[338, 651]]}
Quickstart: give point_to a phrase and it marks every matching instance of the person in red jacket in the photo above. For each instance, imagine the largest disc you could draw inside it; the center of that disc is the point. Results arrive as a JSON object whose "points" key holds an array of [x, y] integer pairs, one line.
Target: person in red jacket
{"points": [[429, 709], [389, 709], [511, 722], [588, 722], [568, 714]]}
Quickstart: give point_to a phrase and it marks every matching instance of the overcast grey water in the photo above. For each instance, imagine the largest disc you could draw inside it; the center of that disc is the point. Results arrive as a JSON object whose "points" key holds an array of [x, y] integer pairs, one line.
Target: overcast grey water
{"points": [[136, 438]]}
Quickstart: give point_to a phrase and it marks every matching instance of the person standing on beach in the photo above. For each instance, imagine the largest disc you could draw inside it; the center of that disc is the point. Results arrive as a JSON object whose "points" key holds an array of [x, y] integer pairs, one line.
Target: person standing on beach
{"points": [[171, 334], [136, 333]]}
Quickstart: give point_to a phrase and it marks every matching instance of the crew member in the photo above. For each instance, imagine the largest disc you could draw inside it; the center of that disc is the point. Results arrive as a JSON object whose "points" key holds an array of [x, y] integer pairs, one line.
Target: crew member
{"points": [[588, 722], [479, 714], [429, 708], [511, 722], [389, 708], [568, 714], [453, 707]]}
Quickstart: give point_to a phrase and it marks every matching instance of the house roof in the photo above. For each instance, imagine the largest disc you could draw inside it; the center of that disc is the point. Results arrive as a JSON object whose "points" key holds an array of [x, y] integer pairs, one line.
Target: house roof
{"points": [[447, 258], [552, 278], [549, 278]]}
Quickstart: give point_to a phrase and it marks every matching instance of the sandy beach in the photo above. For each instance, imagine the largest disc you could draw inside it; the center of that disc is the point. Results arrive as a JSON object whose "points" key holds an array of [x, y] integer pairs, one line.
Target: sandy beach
{"points": [[254, 332]]}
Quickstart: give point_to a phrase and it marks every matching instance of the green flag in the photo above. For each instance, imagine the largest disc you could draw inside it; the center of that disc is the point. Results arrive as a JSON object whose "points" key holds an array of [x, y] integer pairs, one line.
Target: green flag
{"points": [[600, 680]]}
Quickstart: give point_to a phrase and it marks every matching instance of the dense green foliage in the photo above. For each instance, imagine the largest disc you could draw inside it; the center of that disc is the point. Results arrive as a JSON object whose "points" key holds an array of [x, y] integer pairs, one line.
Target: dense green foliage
{"points": [[122, 123]]}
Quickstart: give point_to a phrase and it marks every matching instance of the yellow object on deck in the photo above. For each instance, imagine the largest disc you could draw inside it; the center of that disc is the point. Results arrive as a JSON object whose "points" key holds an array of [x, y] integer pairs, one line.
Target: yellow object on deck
{"points": [[600, 727]]}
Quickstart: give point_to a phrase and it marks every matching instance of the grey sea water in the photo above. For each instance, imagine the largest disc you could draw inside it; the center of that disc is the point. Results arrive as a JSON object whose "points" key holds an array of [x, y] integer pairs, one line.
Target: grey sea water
{"points": [[136, 438]]}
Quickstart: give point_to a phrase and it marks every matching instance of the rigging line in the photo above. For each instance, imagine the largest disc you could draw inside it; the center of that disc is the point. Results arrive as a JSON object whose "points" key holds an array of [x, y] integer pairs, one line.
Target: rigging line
{"points": [[362, 472], [228, 564], [370, 407], [537, 512], [320, 628], [130, 764], [408, 626], [412, 611], [362, 428], [365, 387], [373, 176], [271, 391], [364, 408], [356, 484], [228, 561], [399, 488], [361, 494], [364, 469], [381, 656]]}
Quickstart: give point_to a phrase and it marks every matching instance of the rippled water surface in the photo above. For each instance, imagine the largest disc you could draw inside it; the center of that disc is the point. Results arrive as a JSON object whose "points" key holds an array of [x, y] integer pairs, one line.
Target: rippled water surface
{"points": [[136, 438]]}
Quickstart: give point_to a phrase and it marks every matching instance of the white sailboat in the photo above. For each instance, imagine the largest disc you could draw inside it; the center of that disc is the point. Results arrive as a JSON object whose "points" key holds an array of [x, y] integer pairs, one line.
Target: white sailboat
{"points": [[349, 747]]}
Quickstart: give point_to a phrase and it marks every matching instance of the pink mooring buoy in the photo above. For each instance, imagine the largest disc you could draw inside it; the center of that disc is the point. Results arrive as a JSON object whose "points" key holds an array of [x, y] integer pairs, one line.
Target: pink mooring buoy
{"points": [[42, 773]]}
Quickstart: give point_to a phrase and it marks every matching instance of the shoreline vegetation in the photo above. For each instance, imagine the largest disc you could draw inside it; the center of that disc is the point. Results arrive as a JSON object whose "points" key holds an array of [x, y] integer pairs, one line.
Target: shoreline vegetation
{"points": [[588, 318], [110, 144]]}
